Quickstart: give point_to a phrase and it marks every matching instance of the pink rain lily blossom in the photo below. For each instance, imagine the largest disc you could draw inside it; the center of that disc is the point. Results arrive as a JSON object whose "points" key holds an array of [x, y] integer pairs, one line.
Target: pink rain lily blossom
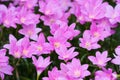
{"points": [[98, 32], [118, 1], [54, 11], [20, 48], [41, 64], [56, 74], [50, 7], [26, 47], [93, 9], [9, 17], [66, 54], [76, 70], [3, 10], [30, 31], [58, 40], [27, 17], [30, 4], [5, 68], [113, 13], [105, 75], [100, 59], [66, 31], [13, 47], [116, 60], [88, 41], [41, 46]]}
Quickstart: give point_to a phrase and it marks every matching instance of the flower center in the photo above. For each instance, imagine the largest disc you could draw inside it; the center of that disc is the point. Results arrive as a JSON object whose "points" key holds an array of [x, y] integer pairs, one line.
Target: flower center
{"points": [[22, 19], [25, 51], [57, 44], [65, 56], [87, 44], [100, 62], [17, 54], [77, 73], [6, 22], [91, 16], [30, 33], [96, 34], [39, 48], [47, 12]]}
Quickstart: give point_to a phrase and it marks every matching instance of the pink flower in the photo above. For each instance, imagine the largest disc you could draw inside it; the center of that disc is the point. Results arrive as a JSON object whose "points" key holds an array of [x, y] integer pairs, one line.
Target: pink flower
{"points": [[105, 75], [106, 26], [116, 60], [77, 12], [93, 9], [118, 1], [66, 54], [88, 41], [9, 17], [54, 11], [113, 13], [5, 68], [50, 7], [58, 40], [20, 48], [98, 32], [41, 46], [41, 64], [30, 4], [27, 17], [66, 31], [30, 31], [26, 48], [56, 74], [51, 20], [3, 10], [81, 2], [69, 71], [13, 47], [71, 32], [76, 70], [100, 59], [65, 4]]}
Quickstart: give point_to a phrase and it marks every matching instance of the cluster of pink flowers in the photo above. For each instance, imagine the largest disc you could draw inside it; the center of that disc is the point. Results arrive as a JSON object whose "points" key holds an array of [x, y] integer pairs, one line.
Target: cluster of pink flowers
{"points": [[5, 68], [69, 71], [55, 13]]}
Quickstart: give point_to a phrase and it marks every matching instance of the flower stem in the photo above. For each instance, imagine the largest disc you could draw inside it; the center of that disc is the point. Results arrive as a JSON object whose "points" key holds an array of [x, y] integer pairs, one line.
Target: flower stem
{"points": [[17, 63], [17, 75], [16, 70], [118, 76], [38, 76]]}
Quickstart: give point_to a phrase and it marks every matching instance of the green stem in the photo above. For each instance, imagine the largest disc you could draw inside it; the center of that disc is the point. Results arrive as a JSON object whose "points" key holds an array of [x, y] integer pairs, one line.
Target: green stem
{"points": [[38, 76], [118, 76], [17, 63], [17, 75], [1, 32], [16, 70]]}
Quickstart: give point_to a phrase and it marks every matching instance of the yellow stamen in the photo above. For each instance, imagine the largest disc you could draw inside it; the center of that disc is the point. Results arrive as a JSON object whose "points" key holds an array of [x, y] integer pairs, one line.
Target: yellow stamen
{"points": [[7, 22], [96, 34], [57, 44], [25, 51], [39, 48], [87, 44], [77, 73], [22, 19], [30, 33]]}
